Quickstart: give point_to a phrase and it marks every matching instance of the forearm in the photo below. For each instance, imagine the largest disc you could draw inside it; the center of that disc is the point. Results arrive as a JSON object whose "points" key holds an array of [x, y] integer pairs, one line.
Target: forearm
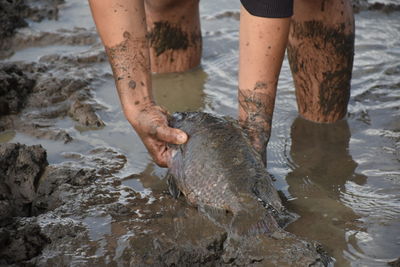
{"points": [[262, 47], [122, 27]]}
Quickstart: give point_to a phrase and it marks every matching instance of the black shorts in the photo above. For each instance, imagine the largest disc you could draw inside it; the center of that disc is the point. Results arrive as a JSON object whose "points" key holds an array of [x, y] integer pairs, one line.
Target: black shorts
{"points": [[269, 8]]}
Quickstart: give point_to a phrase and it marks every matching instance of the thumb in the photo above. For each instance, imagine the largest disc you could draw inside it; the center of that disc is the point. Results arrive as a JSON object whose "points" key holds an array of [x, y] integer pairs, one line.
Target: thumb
{"points": [[171, 135]]}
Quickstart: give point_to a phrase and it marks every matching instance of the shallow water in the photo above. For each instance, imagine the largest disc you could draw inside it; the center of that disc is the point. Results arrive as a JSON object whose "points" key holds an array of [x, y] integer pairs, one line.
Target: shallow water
{"points": [[342, 179]]}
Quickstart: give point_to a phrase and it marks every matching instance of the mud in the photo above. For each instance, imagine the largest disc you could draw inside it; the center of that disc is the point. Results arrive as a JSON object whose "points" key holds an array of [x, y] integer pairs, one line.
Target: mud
{"points": [[20, 170], [165, 36], [15, 86], [14, 15], [256, 111], [128, 59], [20, 242], [395, 263], [32, 98], [363, 5], [72, 198]]}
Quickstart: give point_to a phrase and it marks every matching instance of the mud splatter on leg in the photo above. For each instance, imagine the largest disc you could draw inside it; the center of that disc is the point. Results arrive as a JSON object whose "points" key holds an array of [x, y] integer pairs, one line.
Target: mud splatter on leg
{"points": [[256, 108], [320, 53], [174, 35]]}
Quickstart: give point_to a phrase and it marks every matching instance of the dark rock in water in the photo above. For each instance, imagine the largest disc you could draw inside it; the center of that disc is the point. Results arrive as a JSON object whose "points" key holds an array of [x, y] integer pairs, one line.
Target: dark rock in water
{"points": [[15, 86], [53, 183], [395, 263], [13, 15], [363, 5], [21, 241], [39, 98], [20, 169], [85, 114]]}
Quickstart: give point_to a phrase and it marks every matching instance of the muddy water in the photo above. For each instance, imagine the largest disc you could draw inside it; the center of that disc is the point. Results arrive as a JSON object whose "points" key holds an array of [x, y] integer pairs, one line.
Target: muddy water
{"points": [[342, 179]]}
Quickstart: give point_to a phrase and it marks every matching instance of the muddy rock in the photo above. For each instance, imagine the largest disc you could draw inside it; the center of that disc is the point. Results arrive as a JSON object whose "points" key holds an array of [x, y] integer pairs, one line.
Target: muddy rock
{"points": [[15, 86], [14, 15], [395, 263], [85, 114], [106, 161], [40, 98], [363, 5], [53, 183], [21, 241], [20, 169]]}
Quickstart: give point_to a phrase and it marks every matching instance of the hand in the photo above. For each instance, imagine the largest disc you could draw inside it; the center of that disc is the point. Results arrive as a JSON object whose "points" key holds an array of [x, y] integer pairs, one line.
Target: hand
{"points": [[151, 124]]}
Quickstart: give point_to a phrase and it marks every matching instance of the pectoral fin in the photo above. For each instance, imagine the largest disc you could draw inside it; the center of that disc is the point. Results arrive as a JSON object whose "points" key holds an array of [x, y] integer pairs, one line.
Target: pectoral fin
{"points": [[172, 187]]}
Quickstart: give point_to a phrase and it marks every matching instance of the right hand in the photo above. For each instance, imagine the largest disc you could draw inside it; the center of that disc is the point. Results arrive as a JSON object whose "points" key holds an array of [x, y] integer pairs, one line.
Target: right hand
{"points": [[151, 124]]}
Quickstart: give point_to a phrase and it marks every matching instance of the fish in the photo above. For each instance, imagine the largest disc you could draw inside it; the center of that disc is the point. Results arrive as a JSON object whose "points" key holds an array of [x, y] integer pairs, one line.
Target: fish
{"points": [[218, 168], [218, 171]]}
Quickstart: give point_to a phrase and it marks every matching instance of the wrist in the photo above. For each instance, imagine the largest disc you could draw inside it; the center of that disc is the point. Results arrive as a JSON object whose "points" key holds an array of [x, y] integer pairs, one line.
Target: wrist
{"points": [[134, 108]]}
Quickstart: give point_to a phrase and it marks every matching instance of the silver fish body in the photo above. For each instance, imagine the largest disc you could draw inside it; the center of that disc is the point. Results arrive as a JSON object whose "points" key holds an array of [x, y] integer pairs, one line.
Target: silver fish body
{"points": [[218, 168]]}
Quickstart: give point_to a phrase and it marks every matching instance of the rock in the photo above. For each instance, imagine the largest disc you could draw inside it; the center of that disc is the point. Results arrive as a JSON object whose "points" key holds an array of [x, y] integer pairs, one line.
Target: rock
{"points": [[20, 169], [362, 5], [21, 241], [49, 189], [395, 263], [15, 86], [85, 114], [40, 98], [12, 14]]}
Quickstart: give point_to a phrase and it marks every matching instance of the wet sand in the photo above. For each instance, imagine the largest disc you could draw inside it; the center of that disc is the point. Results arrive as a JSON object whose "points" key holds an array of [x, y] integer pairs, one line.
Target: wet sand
{"points": [[101, 200]]}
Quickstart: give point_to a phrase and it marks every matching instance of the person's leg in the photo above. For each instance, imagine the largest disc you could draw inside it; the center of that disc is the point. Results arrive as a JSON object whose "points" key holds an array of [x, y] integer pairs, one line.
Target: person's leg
{"points": [[262, 47], [320, 52], [174, 34]]}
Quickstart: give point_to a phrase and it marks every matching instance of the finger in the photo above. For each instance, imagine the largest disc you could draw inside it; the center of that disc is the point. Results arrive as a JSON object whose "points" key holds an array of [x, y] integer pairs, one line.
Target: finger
{"points": [[171, 135], [157, 152]]}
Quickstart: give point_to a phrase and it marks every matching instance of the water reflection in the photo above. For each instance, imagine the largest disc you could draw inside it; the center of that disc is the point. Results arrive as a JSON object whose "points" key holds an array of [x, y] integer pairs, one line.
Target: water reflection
{"points": [[321, 167]]}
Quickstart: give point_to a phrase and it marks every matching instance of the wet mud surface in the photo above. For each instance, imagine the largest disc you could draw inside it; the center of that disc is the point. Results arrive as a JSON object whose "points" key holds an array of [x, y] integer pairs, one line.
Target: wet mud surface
{"points": [[90, 194], [45, 220], [45, 98], [14, 15]]}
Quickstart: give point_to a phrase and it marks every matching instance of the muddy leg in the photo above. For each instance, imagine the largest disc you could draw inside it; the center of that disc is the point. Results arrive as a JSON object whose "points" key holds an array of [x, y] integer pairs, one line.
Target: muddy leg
{"points": [[321, 51], [262, 48], [174, 34]]}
